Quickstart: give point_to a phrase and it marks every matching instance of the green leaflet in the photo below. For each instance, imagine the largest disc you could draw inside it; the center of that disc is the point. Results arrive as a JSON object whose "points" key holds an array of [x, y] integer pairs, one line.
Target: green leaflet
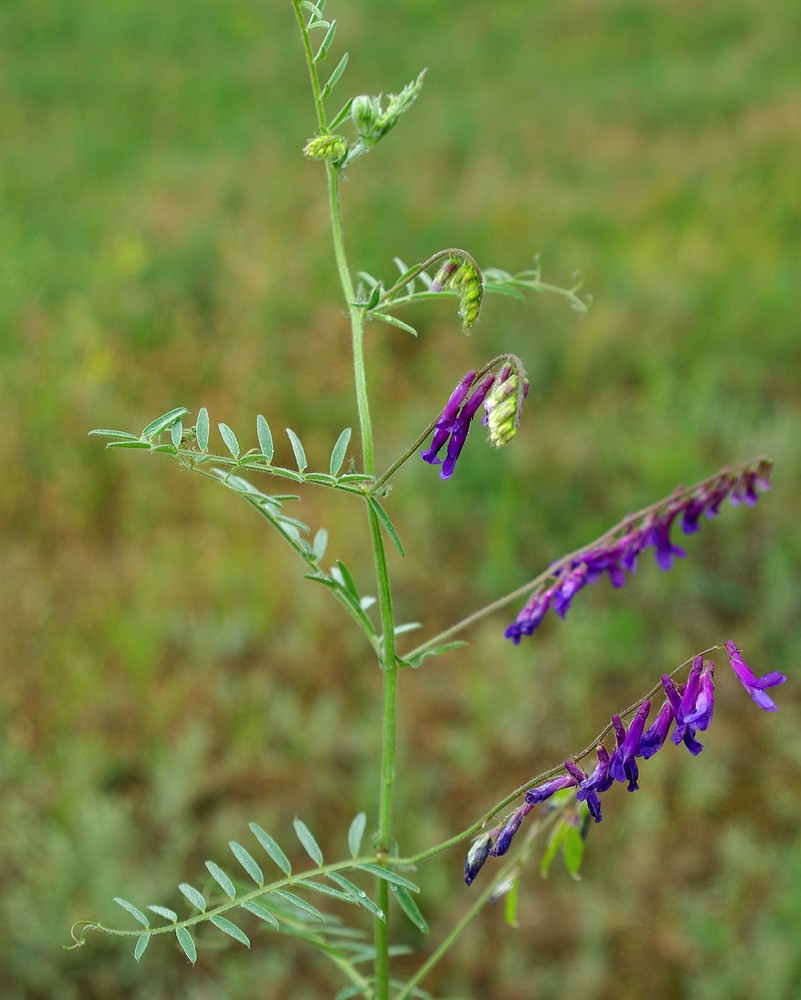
{"points": [[248, 863], [221, 879], [356, 832], [155, 427], [202, 428], [186, 943], [306, 838], [141, 943], [339, 449], [271, 847], [194, 897], [130, 908], [231, 930]]}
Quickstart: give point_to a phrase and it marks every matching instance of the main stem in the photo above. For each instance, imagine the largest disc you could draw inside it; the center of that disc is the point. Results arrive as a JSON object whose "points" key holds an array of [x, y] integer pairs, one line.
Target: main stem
{"points": [[388, 657]]}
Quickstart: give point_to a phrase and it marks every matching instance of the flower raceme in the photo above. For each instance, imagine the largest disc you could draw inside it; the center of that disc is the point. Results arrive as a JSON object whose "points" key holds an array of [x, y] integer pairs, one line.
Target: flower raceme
{"points": [[687, 708], [502, 395], [617, 556]]}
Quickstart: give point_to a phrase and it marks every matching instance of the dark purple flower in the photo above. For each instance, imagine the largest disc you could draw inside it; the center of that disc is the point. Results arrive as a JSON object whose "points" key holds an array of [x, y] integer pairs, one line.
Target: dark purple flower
{"points": [[454, 422], [622, 765], [683, 733], [659, 537], [545, 791], [654, 737], [598, 781], [532, 613], [504, 839], [462, 425], [754, 685], [447, 419], [567, 589], [476, 856]]}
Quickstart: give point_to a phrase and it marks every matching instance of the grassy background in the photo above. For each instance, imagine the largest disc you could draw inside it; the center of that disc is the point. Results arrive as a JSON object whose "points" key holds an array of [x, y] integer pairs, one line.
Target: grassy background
{"points": [[167, 676]]}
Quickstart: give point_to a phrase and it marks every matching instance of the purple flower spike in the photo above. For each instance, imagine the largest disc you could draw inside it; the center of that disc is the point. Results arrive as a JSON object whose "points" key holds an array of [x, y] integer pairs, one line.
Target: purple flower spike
{"points": [[754, 685], [654, 737], [447, 420], [545, 791]]}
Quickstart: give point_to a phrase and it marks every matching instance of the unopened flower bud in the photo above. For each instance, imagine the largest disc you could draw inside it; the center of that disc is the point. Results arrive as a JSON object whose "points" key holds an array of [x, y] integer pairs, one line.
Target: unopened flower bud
{"points": [[503, 406], [476, 856], [327, 147]]}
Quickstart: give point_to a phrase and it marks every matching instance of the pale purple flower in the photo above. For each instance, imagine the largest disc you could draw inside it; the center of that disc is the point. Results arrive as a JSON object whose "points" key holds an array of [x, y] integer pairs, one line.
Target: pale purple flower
{"points": [[754, 685]]}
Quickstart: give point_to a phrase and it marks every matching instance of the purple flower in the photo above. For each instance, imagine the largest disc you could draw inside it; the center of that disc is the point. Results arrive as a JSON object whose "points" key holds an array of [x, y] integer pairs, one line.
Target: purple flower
{"points": [[575, 580], [447, 419], [754, 685], [531, 615], [622, 764], [454, 422], [545, 791], [462, 426], [504, 839], [654, 737], [683, 732], [701, 712], [659, 537], [590, 785]]}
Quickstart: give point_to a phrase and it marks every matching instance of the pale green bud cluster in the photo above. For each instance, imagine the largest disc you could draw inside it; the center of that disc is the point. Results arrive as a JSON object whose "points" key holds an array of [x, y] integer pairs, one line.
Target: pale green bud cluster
{"points": [[327, 147], [463, 277], [372, 121], [504, 404]]}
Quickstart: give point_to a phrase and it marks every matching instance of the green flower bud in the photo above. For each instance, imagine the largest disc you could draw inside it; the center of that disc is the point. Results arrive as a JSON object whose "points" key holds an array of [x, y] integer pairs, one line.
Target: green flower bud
{"points": [[327, 147], [504, 404]]}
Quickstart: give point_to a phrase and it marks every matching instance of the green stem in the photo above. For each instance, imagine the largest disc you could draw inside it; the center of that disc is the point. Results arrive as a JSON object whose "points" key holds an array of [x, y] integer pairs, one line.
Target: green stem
{"points": [[388, 743], [356, 320], [388, 660]]}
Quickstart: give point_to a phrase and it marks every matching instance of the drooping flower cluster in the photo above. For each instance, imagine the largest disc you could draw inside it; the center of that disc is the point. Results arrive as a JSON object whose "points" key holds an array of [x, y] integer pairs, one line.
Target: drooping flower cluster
{"points": [[503, 396], [687, 708], [461, 275], [618, 556]]}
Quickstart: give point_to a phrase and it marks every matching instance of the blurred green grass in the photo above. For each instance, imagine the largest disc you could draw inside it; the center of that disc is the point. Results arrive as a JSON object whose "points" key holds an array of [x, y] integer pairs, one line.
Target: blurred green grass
{"points": [[167, 674]]}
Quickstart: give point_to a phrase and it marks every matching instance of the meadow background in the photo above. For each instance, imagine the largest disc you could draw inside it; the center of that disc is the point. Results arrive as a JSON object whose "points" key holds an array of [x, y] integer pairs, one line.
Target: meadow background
{"points": [[167, 675]]}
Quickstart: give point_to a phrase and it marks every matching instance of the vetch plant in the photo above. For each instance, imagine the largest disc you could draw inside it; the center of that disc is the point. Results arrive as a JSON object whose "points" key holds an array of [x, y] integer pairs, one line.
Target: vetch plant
{"points": [[268, 889]]}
